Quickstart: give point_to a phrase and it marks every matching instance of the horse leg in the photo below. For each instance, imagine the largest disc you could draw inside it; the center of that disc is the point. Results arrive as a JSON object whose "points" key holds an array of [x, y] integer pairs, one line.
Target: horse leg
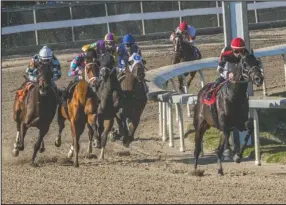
{"points": [[61, 124], [42, 148], [107, 125], [16, 149], [200, 131], [42, 133], [220, 149], [181, 83], [92, 133], [23, 131], [190, 79], [76, 132], [250, 129]]}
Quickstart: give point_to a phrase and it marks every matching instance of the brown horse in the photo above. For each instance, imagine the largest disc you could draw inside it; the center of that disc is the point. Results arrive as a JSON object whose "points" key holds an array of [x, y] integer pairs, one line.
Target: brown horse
{"points": [[184, 52], [229, 109], [110, 96], [134, 89], [37, 109], [81, 109]]}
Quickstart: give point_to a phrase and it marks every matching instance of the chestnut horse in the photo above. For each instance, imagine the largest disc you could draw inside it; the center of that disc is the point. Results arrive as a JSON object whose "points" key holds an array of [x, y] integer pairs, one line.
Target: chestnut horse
{"points": [[37, 109], [81, 109]]}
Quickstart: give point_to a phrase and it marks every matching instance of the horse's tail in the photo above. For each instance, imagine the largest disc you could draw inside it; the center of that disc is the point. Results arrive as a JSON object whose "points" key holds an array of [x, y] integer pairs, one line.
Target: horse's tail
{"points": [[196, 108]]}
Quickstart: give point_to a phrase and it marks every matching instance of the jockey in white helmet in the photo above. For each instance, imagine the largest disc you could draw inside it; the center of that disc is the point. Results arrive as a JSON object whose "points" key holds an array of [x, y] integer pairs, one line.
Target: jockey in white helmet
{"points": [[45, 56]]}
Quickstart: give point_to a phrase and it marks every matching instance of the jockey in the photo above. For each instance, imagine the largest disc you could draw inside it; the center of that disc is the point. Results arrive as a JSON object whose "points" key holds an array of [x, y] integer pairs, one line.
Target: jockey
{"points": [[45, 55], [125, 50], [189, 35], [110, 41], [229, 56], [188, 31], [78, 64], [99, 46]]}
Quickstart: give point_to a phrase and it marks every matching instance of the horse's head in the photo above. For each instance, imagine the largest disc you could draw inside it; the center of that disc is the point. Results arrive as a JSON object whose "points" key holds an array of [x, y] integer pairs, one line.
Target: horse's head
{"points": [[178, 39], [137, 66], [45, 74], [107, 64], [251, 69], [91, 70]]}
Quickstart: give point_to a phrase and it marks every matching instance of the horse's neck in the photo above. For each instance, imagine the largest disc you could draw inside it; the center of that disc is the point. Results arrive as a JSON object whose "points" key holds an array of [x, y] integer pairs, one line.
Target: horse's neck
{"points": [[236, 90]]}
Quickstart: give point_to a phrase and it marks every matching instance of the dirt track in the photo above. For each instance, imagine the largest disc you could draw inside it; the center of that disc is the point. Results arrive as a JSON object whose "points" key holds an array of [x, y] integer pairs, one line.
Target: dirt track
{"points": [[149, 171]]}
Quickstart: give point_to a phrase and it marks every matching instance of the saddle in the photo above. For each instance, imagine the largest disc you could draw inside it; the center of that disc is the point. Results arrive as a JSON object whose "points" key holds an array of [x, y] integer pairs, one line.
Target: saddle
{"points": [[21, 93], [214, 91], [212, 101]]}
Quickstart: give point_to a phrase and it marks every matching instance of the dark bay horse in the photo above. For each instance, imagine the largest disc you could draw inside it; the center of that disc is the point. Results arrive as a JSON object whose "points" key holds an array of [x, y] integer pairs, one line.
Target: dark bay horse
{"points": [[110, 95], [37, 109], [133, 86], [230, 109], [81, 109], [184, 52]]}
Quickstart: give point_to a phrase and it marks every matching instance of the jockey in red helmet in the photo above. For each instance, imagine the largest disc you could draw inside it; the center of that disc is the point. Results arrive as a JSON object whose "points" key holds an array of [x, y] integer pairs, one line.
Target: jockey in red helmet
{"points": [[229, 56], [188, 31], [189, 35]]}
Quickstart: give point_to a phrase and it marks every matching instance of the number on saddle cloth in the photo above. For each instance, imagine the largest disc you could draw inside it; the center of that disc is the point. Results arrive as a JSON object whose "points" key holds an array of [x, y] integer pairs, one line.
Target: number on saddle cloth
{"points": [[134, 59]]}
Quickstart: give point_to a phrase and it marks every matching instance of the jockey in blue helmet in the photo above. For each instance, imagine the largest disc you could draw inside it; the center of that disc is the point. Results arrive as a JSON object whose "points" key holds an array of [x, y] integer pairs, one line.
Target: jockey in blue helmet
{"points": [[126, 49]]}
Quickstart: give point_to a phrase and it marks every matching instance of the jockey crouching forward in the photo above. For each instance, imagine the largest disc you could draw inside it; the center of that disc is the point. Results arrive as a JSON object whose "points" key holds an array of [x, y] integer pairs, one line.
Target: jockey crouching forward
{"points": [[230, 55], [77, 68], [45, 56], [125, 50], [189, 35]]}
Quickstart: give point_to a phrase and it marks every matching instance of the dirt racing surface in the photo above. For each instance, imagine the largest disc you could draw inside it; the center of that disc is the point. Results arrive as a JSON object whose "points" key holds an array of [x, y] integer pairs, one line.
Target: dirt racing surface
{"points": [[149, 171]]}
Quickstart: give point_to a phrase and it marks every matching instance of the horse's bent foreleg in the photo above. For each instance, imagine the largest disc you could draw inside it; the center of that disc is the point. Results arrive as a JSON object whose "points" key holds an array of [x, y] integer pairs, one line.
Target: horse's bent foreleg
{"points": [[107, 125], [181, 83], [37, 145], [190, 79], [250, 129], [61, 124]]}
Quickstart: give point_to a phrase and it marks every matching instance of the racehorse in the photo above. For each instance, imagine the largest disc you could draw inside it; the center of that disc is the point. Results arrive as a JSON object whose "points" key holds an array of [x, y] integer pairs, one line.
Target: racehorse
{"points": [[133, 86], [228, 108], [37, 109], [81, 109], [184, 52], [110, 95]]}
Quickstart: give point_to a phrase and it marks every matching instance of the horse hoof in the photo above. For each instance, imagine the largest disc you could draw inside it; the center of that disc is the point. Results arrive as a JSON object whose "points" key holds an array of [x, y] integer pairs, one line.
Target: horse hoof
{"points": [[96, 144], [42, 150], [21, 148], [236, 158], [33, 164], [70, 154], [58, 143], [15, 152], [76, 164], [220, 173]]}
